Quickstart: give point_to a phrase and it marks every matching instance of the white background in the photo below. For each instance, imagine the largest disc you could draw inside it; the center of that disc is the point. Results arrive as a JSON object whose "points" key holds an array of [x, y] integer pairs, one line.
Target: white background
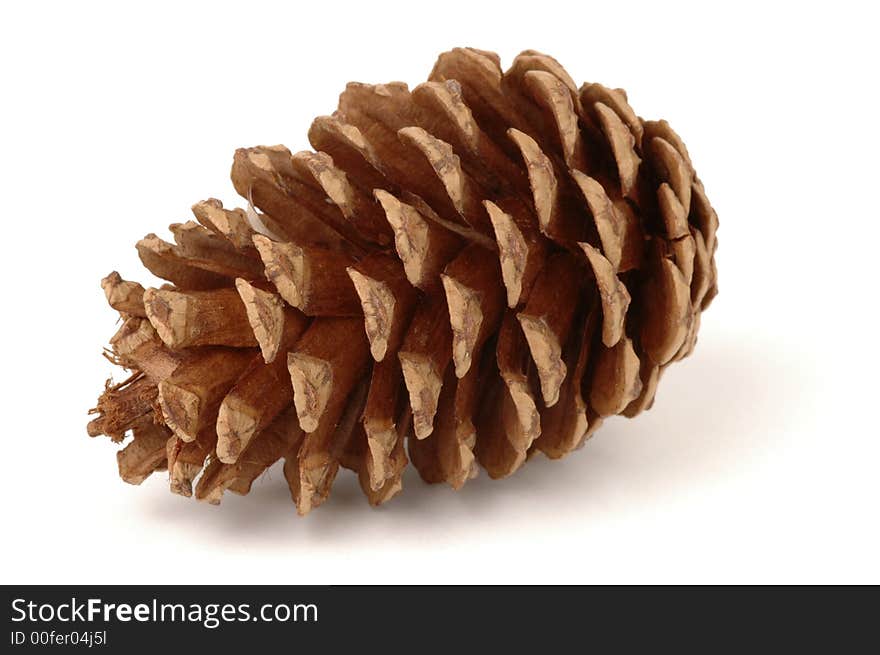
{"points": [[760, 459]]}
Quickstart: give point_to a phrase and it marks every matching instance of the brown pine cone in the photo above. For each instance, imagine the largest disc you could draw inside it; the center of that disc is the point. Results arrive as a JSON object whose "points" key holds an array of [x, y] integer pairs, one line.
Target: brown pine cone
{"points": [[470, 272]]}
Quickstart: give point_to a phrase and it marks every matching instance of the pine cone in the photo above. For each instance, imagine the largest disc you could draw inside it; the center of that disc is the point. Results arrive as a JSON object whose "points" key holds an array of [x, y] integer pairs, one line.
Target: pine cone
{"points": [[470, 272]]}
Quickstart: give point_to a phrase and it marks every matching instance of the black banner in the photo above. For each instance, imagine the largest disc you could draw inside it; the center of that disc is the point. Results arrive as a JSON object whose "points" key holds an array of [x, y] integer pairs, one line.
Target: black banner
{"points": [[252, 619]]}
